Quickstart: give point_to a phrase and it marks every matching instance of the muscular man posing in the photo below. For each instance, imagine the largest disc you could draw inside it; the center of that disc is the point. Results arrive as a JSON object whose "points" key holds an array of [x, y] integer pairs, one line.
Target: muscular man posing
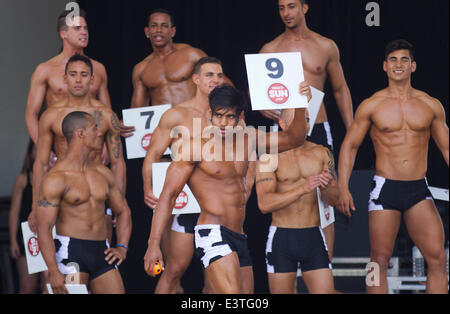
{"points": [[78, 80], [400, 120], [47, 82], [221, 189], [73, 196], [321, 60], [208, 74], [289, 193]]}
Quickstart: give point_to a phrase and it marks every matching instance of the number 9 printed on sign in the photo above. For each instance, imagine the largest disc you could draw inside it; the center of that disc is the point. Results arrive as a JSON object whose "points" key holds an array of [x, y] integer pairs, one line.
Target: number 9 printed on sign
{"points": [[274, 81]]}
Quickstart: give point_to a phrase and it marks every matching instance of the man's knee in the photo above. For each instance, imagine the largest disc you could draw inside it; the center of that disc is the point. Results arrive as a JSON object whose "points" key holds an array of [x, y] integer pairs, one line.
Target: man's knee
{"points": [[382, 259], [436, 258]]}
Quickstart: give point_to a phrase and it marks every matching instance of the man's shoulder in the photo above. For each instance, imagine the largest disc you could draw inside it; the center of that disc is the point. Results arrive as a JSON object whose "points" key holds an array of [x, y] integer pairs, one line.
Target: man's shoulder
{"points": [[175, 116], [272, 46]]}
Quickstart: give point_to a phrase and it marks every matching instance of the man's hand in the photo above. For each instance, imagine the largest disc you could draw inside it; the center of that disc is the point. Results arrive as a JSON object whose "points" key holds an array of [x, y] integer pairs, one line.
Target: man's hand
{"points": [[32, 221], [14, 249], [153, 256], [274, 115], [126, 131], [312, 183], [305, 90], [149, 198], [325, 180], [345, 202], [115, 255], [58, 282]]}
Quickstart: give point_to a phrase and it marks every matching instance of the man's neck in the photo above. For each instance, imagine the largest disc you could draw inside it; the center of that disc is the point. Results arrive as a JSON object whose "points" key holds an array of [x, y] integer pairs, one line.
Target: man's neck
{"points": [[201, 101], [79, 101], [164, 51], [68, 52], [77, 157], [400, 89], [298, 33]]}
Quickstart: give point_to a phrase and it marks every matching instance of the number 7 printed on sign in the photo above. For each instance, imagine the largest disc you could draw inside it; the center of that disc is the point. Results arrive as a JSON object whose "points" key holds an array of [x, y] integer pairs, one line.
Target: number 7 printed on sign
{"points": [[145, 120]]}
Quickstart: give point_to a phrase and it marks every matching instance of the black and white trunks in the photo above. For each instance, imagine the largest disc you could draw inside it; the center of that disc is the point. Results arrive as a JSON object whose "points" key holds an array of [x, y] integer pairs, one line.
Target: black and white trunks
{"points": [[397, 195], [185, 223], [287, 248], [213, 242], [321, 135], [82, 256]]}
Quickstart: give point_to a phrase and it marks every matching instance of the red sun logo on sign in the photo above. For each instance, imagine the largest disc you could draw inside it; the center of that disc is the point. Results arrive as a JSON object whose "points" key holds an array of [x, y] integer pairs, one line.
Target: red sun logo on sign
{"points": [[33, 246], [145, 142], [278, 93], [327, 212], [181, 201]]}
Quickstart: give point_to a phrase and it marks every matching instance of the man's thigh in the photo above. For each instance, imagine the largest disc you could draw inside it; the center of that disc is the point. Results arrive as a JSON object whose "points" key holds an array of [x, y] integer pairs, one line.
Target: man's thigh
{"points": [[108, 283], [224, 275]]}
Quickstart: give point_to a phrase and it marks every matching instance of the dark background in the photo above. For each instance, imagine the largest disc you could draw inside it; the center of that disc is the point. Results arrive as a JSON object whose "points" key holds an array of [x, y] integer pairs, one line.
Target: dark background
{"points": [[228, 29]]}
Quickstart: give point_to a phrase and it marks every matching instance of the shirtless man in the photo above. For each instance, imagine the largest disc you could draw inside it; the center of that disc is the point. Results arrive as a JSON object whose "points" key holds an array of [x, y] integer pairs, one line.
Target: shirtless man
{"points": [[179, 249], [321, 60], [289, 193], [222, 190], [400, 120], [165, 76], [73, 196], [47, 82], [78, 79]]}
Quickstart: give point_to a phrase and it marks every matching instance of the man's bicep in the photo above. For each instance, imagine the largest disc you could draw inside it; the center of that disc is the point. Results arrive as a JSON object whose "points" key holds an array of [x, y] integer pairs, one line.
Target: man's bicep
{"points": [[45, 140], [50, 197], [35, 101], [266, 180], [177, 176]]}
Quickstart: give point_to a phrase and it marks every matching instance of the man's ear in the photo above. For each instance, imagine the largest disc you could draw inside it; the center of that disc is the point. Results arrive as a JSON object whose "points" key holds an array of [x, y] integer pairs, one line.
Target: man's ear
{"points": [[305, 8], [196, 78], [174, 31], [413, 66], [147, 31]]}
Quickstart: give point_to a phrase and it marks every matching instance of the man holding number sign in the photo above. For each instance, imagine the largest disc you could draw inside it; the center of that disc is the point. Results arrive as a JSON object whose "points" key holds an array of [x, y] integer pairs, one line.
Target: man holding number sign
{"points": [[321, 60], [194, 116]]}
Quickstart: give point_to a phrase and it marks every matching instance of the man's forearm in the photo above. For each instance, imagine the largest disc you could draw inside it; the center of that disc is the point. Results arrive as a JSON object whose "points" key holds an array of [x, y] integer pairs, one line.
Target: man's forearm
{"points": [[47, 247], [345, 105], [32, 122], [119, 170], [124, 226], [161, 217]]}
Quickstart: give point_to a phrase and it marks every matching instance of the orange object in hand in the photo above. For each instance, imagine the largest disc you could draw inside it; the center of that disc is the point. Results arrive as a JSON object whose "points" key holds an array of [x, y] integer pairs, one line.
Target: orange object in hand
{"points": [[156, 270]]}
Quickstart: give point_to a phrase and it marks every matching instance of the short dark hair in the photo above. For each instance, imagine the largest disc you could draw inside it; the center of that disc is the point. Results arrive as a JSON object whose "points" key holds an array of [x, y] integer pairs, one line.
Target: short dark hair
{"points": [[163, 11], [80, 58], [62, 25], [203, 61], [74, 121], [399, 44], [227, 97]]}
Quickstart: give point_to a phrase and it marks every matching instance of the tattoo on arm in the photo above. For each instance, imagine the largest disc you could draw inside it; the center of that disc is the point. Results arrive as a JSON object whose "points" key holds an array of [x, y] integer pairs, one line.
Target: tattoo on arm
{"points": [[264, 180], [116, 144], [331, 165], [46, 204], [115, 122]]}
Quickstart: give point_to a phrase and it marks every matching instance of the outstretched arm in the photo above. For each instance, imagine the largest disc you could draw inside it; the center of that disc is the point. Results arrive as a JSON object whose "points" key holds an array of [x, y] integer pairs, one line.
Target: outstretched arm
{"points": [[349, 149], [50, 197], [36, 98], [439, 129], [177, 176], [339, 85]]}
